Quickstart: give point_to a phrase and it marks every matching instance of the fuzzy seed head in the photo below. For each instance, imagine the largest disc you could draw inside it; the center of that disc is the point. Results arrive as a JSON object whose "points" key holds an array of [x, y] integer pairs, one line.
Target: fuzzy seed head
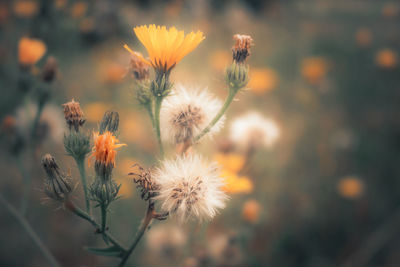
{"points": [[190, 187], [252, 130], [184, 114]]}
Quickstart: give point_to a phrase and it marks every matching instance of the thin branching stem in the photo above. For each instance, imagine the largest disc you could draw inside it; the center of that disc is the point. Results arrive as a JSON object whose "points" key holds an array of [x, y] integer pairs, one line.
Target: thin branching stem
{"points": [[157, 110], [80, 213], [29, 230], [140, 232], [80, 162], [221, 112]]}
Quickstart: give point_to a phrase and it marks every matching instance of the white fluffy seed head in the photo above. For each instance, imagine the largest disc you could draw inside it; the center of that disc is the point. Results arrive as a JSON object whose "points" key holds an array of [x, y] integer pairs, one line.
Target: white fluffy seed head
{"points": [[253, 130], [185, 113], [190, 188]]}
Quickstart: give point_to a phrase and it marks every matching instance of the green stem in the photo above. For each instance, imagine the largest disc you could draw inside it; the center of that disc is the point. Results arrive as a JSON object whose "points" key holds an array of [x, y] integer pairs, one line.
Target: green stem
{"points": [[80, 162], [139, 234], [157, 109], [149, 108], [103, 217], [228, 101], [29, 230], [80, 213]]}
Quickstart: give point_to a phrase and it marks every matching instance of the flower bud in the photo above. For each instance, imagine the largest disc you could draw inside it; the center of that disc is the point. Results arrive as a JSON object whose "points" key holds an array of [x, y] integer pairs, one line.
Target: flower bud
{"points": [[236, 76], [50, 70], [104, 191], [241, 50], [110, 122], [161, 87], [77, 144], [73, 115], [138, 67], [56, 185]]}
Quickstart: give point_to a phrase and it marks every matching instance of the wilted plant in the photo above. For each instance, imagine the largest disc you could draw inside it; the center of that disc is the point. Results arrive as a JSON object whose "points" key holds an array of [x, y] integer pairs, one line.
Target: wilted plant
{"points": [[185, 185]]}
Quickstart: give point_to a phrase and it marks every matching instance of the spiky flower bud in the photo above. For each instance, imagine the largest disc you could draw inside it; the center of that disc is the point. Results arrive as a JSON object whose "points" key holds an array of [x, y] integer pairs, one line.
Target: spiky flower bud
{"points": [[104, 192], [57, 185], [236, 76], [144, 181], [241, 49], [161, 87], [77, 144], [143, 93], [73, 115], [138, 67], [50, 70], [110, 122]]}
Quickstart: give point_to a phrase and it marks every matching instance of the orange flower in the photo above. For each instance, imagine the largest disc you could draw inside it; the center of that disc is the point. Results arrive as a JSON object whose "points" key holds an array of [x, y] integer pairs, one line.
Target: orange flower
{"points": [[314, 69], [350, 187], [232, 164], [104, 148], [166, 47], [79, 9], [30, 51], [263, 80], [363, 37], [386, 58], [251, 211], [25, 9]]}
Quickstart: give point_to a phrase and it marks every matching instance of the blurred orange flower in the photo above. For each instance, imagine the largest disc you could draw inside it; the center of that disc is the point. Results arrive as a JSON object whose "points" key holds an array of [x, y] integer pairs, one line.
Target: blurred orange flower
{"points": [[386, 58], [94, 111], [30, 51], [251, 211], [104, 148], [314, 69], [350, 187], [113, 73], [25, 8], [231, 165], [78, 9], [390, 10], [166, 47], [363, 37], [59, 4], [220, 59], [126, 189], [263, 80], [86, 25]]}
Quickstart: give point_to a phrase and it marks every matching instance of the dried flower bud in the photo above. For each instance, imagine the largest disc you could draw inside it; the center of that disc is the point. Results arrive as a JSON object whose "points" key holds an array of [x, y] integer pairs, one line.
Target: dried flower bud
{"points": [[110, 122], [241, 50], [138, 67], [50, 69], [56, 185], [73, 115], [148, 188]]}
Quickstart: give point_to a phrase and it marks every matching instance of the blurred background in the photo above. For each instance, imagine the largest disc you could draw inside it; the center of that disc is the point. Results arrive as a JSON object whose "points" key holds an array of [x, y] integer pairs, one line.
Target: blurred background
{"points": [[326, 192]]}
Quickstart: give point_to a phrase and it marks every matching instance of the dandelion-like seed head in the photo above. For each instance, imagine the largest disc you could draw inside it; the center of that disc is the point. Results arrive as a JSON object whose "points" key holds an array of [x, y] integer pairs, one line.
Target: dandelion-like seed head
{"points": [[166, 47], [144, 181], [104, 149], [241, 49], [184, 114], [252, 130], [56, 185], [73, 115], [190, 187]]}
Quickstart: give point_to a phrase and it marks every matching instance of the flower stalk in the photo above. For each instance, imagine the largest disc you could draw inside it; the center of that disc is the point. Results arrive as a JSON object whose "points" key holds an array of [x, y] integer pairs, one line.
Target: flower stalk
{"points": [[80, 162]]}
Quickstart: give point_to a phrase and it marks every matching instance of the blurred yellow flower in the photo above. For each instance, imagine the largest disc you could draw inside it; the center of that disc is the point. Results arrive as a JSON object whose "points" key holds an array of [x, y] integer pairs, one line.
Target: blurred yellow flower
{"points": [[314, 69], [390, 10], [25, 8], [363, 37], [251, 211], [263, 80], [166, 47], [234, 184], [220, 59], [350, 187], [231, 164], [78, 9], [94, 111], [386, 58], [30, 51]]}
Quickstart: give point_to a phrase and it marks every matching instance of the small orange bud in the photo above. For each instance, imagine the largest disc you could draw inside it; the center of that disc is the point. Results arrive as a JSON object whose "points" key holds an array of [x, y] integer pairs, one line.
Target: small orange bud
{"points": [[30, 51], [251, 211]]}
